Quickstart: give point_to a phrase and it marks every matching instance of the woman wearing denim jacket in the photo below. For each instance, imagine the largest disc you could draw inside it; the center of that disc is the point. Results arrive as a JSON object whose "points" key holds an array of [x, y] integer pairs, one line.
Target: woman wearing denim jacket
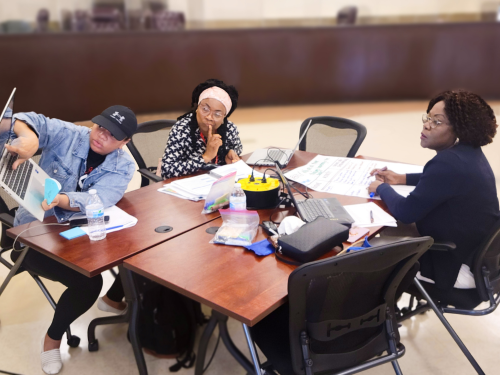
{"points": [[80, 159]]}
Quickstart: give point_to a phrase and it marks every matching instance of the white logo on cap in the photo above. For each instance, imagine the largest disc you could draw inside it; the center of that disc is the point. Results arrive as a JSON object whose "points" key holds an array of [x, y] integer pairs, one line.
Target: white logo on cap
{"points": [[117, 117]]}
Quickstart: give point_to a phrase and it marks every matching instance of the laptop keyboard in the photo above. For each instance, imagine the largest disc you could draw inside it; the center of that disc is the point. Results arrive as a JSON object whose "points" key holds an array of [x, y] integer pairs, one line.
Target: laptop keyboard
{"points": [[16, 180], [310, 209], [276, 155]]}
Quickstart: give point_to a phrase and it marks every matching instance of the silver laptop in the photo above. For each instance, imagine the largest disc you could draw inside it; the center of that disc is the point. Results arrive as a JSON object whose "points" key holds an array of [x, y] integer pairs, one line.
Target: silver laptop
{"points": [[26, 185], [271, 156]]}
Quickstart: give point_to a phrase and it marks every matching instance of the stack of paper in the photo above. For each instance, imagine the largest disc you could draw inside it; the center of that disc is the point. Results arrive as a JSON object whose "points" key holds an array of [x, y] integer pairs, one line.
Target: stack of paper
{"points": [[193, 188], [197, 188], [118, 220], [363, 214], [243, 170]]}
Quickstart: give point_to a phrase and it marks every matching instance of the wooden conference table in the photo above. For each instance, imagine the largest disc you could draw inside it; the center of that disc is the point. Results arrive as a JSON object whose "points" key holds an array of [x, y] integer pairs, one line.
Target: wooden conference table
{"points": [[152, 209], [231, 280]]}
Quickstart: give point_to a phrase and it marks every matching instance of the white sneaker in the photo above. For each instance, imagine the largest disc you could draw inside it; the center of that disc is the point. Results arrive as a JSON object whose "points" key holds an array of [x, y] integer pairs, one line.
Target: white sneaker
{"points": [[103, 306], [51, 360]]}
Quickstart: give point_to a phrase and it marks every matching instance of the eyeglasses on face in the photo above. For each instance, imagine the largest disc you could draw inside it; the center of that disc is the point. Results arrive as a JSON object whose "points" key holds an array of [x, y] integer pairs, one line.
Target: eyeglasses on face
{"points": [[205, 110], [433, 122]]}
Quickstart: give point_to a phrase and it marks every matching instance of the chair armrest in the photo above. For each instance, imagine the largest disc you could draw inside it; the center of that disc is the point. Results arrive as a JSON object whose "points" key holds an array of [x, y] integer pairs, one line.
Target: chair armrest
{"points": [[443, 246], [148, 174], [7, 219]]}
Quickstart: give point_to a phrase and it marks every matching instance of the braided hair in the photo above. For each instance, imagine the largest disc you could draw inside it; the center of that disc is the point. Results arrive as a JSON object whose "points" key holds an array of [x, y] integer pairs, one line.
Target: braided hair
{"points": [[472, 119], [222, 130]]}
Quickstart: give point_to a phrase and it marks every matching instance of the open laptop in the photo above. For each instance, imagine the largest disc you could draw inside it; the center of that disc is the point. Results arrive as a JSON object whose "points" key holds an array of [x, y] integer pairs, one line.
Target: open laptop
{"points": [[26, 185], [310, 209], [271, 156]]}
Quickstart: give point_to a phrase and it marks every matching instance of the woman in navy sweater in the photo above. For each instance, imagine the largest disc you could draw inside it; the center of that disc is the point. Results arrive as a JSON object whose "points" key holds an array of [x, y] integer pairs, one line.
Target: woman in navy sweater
{"points": [[455, 198]]}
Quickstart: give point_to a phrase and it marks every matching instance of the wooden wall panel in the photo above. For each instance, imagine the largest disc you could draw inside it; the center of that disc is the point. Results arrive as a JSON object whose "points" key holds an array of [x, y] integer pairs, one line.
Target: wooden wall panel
{"points": [[75, 76]]}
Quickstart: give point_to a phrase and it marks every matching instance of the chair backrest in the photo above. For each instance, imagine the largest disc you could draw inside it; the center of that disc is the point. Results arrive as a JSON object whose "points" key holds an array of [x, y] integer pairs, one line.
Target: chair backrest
{"points": [[148, 143], [488, 255], [42, 20], [119, 5], [332, 136], [154, 5], [341, 304], [347, 15], [166, 20], [80, 21]]}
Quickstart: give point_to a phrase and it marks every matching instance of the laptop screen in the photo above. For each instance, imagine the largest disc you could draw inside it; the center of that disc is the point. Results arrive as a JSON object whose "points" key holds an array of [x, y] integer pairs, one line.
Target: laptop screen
{"points": [[288, 188], [7, 122]]}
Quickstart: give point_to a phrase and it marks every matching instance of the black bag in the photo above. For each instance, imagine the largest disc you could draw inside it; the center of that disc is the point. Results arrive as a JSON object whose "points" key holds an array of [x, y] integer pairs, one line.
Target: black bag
{"points": [[168, 322], [312, 240]]}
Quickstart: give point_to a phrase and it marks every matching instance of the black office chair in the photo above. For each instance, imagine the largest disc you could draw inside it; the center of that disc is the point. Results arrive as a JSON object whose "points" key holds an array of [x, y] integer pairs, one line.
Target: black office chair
{"points": [[332, 136], [347, 15], [8, 207], [486, 270], [341, 312], [151, 138]]}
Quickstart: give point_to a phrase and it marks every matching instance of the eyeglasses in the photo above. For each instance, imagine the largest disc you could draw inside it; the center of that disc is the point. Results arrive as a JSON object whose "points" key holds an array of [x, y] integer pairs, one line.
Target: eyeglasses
{"points": [[434, 122], [205, 110]]}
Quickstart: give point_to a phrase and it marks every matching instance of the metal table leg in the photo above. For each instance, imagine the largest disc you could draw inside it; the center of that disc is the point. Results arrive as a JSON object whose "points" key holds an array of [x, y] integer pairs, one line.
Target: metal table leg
{"points": [[132, 298], [253, 350], [203, 345], [220, 320], [228, 342], [131, 317]]}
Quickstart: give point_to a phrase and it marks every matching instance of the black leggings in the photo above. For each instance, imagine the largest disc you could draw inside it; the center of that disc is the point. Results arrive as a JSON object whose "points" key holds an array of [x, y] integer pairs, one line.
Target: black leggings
{"points": [[81, 294], [116, 293]]}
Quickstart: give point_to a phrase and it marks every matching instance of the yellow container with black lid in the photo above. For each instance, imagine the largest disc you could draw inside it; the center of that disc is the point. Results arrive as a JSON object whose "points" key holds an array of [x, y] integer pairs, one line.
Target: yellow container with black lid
{"points": [[261, 194]]}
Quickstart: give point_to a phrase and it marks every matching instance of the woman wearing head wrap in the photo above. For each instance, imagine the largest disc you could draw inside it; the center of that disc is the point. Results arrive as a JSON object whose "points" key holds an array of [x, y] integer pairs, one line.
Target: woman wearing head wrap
{"points": [[204, 135]]}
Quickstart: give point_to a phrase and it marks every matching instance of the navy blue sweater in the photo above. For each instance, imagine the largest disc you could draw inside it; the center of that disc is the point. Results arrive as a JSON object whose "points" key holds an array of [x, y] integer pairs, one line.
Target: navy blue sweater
{"points": [[455, 199]]}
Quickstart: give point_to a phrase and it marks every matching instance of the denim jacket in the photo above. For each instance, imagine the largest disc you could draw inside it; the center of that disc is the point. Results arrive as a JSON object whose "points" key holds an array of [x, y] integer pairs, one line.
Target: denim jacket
{"points": [[65, 148]]}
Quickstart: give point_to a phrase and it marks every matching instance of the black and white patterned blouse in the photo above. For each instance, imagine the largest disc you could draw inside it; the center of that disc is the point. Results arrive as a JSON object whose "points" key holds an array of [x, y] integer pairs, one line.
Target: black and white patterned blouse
{"points": [[182, 157]]}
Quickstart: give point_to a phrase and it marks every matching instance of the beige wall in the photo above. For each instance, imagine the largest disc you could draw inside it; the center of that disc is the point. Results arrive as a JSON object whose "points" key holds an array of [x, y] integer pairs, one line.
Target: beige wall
{"points": [[210, 10]]}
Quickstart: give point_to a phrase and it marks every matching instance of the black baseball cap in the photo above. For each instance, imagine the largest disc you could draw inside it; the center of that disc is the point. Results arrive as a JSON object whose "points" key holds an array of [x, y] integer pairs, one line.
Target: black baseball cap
{"points": [[119, 120]]}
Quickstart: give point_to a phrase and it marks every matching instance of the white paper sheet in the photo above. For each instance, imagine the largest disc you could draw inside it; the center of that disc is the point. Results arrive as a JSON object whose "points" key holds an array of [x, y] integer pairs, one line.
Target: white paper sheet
{"points": [[345, 176], [118, 220], [361, 215], [198, 186], [243, 170], [171, 190]]}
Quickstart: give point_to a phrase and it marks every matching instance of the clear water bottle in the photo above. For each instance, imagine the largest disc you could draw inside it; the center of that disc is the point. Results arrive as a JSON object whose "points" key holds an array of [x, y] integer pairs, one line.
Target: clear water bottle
{"points": [[238, 199], [95, 217]]}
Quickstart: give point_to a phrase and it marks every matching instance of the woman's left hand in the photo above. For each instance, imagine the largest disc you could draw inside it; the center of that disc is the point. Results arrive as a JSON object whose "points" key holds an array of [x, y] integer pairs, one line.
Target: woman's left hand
{"points": [[54, 203], [374, 185], [232, 157]]}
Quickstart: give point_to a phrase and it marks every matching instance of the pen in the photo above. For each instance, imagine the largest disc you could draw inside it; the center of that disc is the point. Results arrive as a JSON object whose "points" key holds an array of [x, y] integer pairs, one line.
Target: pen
{"points": [[380, 170], [372, 195], [371, 216], [116, 227]]}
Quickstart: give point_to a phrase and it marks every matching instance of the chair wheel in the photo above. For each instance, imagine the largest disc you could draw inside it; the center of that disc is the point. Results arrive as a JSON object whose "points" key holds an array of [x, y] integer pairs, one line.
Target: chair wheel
{"points": [[94, 346], [404, 310], [74, 341]]}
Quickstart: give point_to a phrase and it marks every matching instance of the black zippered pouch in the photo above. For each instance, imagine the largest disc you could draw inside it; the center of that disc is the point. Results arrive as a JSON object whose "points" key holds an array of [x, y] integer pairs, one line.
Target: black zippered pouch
{"points": [[312, 240]]}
